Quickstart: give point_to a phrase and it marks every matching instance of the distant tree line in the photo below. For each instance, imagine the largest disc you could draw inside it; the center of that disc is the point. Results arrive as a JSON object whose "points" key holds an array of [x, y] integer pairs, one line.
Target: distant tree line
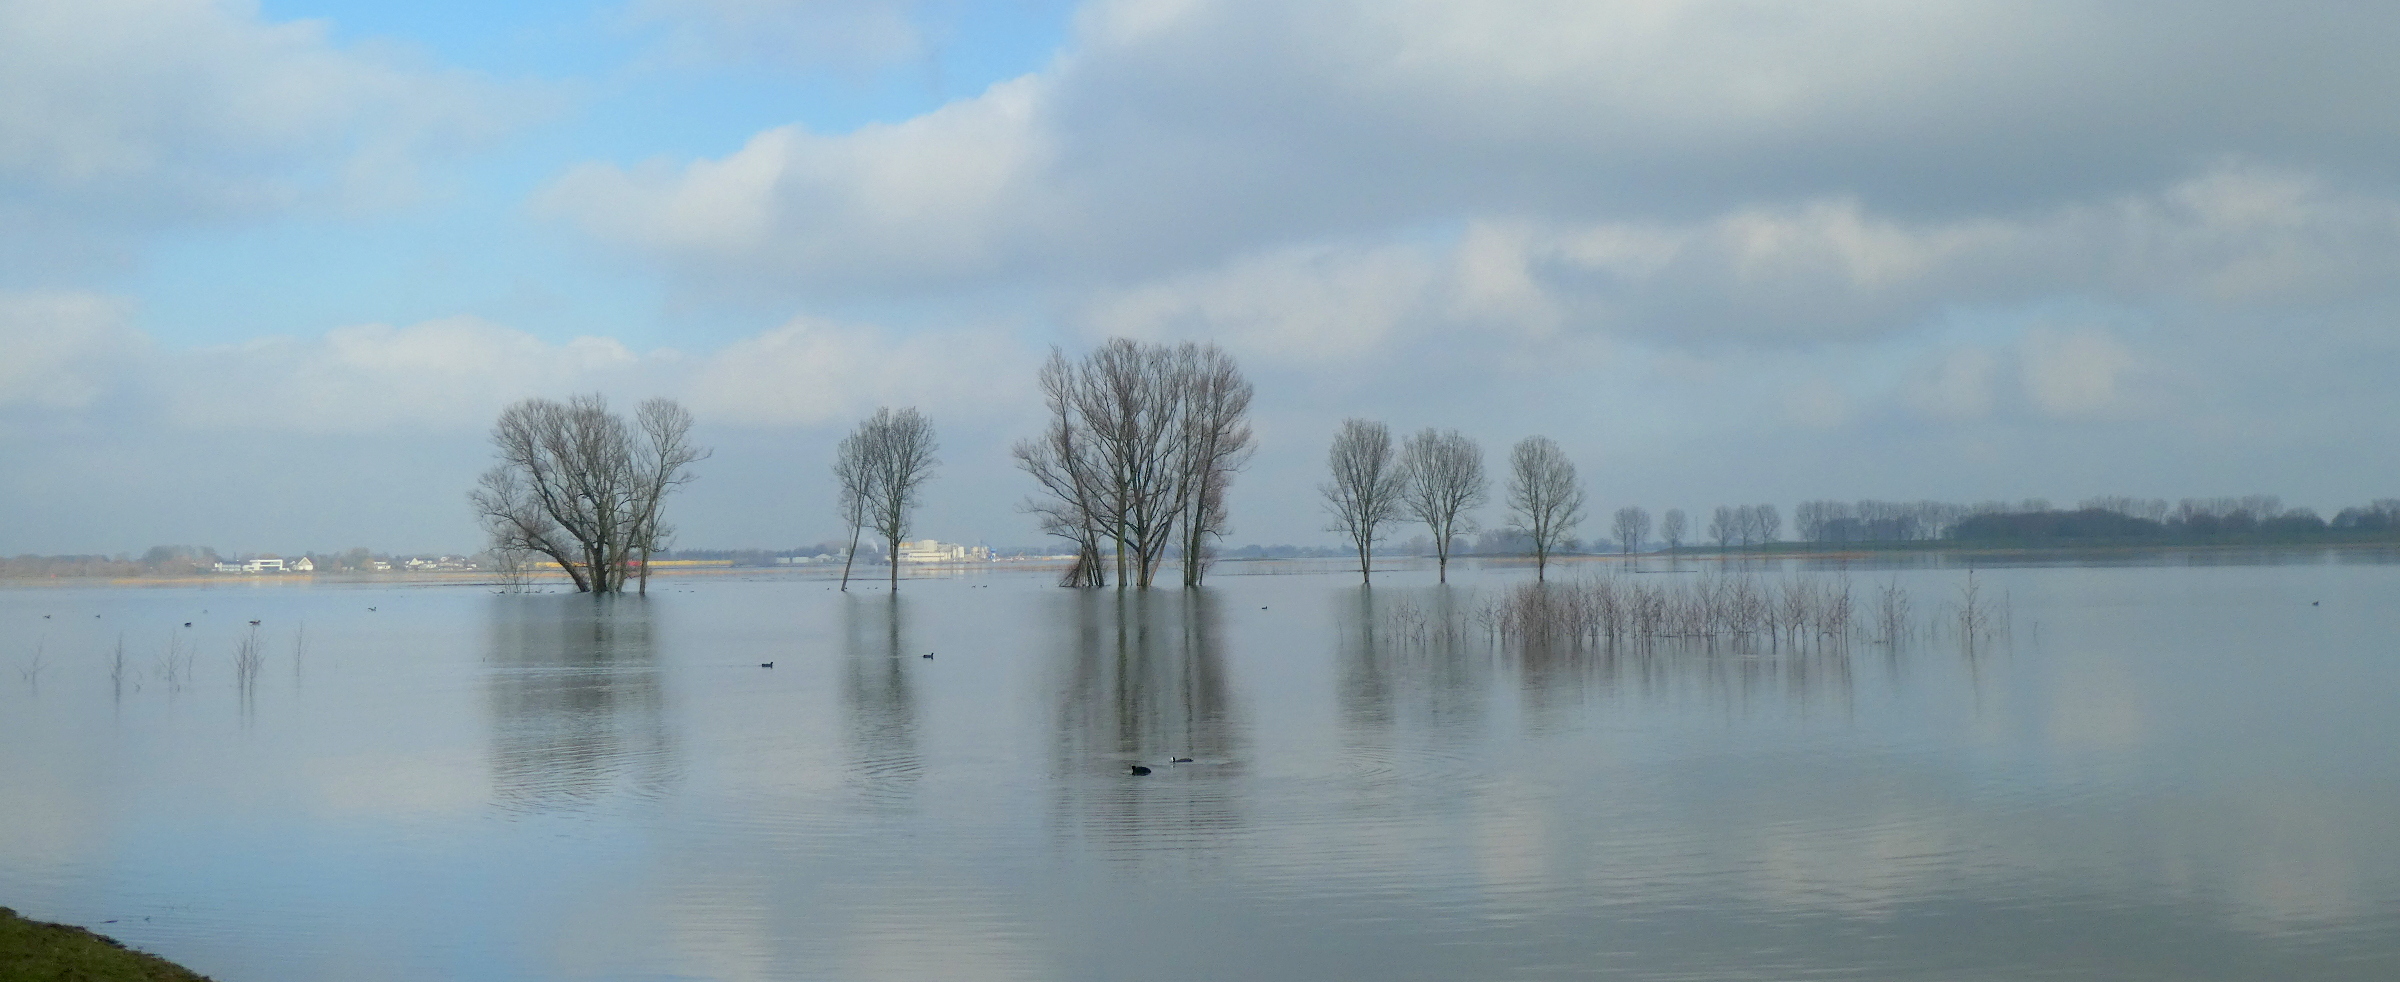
{"points": [[2093, 520], [2255, 518]]}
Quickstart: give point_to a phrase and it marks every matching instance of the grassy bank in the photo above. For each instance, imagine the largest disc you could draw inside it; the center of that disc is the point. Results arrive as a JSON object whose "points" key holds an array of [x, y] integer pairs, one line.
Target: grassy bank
{"points": [[32, 951]]}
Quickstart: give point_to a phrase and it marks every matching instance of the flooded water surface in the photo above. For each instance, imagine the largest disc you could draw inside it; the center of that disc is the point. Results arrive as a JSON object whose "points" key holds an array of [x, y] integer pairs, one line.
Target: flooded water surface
{"points": [[2168, 770]]}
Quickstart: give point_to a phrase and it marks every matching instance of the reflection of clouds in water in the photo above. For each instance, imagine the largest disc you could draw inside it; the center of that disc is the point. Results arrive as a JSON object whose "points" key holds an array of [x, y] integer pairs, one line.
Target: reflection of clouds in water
{"points": [[2095, 707], [50, 819], [717, 920], [389, 784], [1862, 865], [1569, 811], [942, 935], [577, 708], [1515, 843], [2285, 856]]}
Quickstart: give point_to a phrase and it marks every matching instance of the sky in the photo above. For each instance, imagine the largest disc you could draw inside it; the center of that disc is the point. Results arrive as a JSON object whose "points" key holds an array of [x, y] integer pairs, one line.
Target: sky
{"points": [[268, 270]]}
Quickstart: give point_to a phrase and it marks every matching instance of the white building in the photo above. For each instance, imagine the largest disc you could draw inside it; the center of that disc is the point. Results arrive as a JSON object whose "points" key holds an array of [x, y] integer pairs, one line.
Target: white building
{"points": [[263, 566], [932, 551]]}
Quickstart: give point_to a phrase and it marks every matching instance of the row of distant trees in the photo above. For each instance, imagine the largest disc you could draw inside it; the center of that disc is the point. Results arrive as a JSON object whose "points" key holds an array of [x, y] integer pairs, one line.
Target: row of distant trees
{"points": [[1436, 478], [1137, 456]]}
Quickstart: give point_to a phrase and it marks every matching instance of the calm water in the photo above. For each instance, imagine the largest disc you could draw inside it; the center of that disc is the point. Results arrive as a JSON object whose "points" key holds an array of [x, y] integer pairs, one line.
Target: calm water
{"points": [[2173, 771]]}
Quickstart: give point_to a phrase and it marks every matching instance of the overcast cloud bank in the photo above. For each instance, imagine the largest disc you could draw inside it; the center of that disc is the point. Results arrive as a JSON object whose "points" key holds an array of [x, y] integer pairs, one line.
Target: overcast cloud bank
{"points": [[1723, 252]]}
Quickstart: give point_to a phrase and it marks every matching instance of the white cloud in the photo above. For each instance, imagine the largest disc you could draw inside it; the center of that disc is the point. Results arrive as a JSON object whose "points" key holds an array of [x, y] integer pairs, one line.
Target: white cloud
{"points": [[1828, 271], [1956, 385], [62, 350], [886, 204], [449, 373], [1188, 134], [128, 114], [811, 372], [68, 352], [1301, 305], [2075, 373]]}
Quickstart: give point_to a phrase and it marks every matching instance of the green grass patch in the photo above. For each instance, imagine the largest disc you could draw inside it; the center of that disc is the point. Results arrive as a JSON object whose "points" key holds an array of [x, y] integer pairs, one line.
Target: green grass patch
{"points": [[32, 951]]}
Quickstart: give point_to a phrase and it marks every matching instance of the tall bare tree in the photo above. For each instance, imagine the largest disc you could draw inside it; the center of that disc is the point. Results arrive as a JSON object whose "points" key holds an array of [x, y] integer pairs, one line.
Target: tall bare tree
{"points": [[1632, 525], [1140, 447], [1063, 461], [1445, 483], [1544, 500], [1723, 528], [1673, 526], [1369, 482], [665, 453], [1216, 444], [900, 460], [854, 479], [1129, 405], [578, 485]]}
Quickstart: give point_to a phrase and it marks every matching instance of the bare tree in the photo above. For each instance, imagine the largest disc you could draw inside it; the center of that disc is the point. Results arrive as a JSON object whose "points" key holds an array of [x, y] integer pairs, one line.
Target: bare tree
{"points": [[1673, 526], [1544, 501], [1445, 481], [1140, 448], [854, 479], [667, 449], [1367, 486], [1631, 527], [1129, 405], [518, 521], [900, 460], [578, 485], [1070, 473], [513, 566], [1721, 527], [1216, 444]]}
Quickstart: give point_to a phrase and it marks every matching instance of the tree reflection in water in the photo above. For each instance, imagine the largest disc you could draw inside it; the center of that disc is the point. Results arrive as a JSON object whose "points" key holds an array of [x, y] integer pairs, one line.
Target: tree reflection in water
{"points": [[1143, 679], [884, 761], [577, 706], [1394, 677]]}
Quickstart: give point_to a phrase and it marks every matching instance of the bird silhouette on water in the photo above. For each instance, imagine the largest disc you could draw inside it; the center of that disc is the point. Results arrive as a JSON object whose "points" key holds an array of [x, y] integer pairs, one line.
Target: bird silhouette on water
{"points": [[1180, 760], [766, 664], [929, 654], [1137, 770]]}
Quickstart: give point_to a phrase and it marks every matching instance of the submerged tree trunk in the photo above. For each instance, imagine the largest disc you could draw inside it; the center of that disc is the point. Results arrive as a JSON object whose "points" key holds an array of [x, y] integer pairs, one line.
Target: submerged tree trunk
{"points": [[848, 556]]}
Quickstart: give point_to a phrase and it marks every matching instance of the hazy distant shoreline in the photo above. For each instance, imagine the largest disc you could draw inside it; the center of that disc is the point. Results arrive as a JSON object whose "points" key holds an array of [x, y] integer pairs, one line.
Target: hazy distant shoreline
{"points": [[1791, 550]]}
